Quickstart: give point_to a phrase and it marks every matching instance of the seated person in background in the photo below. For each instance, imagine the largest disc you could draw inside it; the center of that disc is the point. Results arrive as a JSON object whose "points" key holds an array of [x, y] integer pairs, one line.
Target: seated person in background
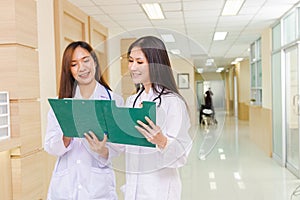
{"points": [[208, 99], [207, 106]]}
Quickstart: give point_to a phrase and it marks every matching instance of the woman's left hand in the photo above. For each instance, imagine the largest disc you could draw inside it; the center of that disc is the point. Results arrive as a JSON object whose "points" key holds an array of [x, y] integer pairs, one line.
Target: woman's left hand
{"points": [[152, 133], [96, 145]]}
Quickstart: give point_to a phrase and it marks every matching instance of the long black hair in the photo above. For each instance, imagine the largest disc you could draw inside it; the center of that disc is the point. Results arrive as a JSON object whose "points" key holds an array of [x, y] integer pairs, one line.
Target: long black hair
{"points": [[160, 70]]}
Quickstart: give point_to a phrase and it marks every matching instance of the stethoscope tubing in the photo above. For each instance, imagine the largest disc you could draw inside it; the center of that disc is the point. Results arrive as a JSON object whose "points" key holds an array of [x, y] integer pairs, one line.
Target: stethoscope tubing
{"points": [[158, 97]]}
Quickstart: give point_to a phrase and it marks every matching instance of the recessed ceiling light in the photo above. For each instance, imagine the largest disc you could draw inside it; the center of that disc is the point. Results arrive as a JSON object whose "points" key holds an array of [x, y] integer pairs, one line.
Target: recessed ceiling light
{"points": [[175, 51], [223, 157], [220, 35], [241, 185], [237, 175], [213, 185], [239, 59], [232, 7], [211, 175], [153, 10], [200, 70], [209, 62], [220, 69], [168, 37]]}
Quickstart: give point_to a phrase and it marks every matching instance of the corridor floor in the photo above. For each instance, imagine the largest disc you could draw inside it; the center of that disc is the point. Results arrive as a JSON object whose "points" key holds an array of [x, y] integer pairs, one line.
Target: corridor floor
{"points": [[224, 164]]}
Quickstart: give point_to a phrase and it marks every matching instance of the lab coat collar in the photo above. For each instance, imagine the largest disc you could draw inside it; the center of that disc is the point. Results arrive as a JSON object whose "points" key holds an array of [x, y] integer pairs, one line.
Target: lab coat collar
{"points": [[100, 92], [78, 94], [147, 96]]}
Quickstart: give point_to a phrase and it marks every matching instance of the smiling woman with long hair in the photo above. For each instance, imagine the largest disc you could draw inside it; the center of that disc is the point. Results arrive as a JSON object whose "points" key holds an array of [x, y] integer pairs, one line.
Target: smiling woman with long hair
{"points": [[152, 173], [83, 169]]}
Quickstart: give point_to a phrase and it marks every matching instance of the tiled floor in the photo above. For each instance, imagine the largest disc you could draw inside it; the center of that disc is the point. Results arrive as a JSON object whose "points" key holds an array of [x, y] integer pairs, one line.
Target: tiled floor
{"points": [[225, 165]]}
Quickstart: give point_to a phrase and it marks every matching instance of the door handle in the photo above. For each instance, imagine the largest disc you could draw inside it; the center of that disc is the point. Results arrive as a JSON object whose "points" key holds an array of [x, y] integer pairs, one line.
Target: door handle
{"points": [[296, 103]]}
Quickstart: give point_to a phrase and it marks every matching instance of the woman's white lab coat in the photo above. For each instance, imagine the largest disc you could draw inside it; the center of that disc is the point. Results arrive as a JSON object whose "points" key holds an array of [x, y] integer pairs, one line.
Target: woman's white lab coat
{"points": [[152, 173], [79, 173]]}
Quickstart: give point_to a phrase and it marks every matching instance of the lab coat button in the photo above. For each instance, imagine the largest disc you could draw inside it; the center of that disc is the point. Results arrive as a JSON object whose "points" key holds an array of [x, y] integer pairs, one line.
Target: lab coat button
{"points": [[78, 161], [79, 186]]}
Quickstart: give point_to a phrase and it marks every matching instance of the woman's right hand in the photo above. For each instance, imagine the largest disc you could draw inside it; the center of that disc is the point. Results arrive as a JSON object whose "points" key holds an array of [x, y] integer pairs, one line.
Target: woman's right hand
{"points": [[96, 145], [67, 141]]}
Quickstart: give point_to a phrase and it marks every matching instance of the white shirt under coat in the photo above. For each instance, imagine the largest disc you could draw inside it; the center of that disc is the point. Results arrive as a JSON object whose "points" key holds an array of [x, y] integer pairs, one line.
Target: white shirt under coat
{"points": [[79, 173], [152, 173]]}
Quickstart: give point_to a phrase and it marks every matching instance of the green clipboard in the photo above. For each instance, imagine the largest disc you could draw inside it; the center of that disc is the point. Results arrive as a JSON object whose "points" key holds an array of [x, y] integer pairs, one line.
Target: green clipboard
{"points": [[77, 116]]}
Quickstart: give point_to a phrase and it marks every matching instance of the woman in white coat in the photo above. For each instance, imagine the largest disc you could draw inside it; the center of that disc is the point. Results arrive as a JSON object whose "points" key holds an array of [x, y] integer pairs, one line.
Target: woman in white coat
{"points": [[83, 169], [152, 173]]}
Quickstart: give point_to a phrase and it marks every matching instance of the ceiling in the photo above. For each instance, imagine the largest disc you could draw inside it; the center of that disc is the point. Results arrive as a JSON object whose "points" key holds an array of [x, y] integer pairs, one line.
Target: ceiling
{"points": [[192, 23]]}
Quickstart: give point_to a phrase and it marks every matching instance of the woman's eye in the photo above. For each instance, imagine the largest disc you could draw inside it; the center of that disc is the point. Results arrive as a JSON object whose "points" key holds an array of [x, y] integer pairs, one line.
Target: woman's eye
{"points": [[130, 60], [139, 62], [86, 60], [73, 65]]}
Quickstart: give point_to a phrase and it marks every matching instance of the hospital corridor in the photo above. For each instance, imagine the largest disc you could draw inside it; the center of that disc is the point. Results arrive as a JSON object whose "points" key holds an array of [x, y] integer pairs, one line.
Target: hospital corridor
{"points": [[228, 69]]}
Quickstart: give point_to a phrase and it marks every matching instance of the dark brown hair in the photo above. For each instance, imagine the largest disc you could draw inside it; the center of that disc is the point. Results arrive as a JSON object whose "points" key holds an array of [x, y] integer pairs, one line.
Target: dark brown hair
{"points": [[67, 81]]}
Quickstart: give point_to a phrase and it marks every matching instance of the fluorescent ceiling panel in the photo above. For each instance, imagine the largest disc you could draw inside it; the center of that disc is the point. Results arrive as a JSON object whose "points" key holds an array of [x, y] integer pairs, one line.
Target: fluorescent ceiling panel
{"points": [[232, 7], [175, 51], [153, 10], [220, 35]]}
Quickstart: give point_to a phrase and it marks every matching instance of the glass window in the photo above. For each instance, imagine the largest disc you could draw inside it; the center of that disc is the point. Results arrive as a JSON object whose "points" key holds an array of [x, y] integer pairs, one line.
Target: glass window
{"points": [[277, 104], [258, 49], [253, 75], [259, 74], [252, 50], [256, 95], [276, 37], [256, 72], [4, 116], [298, 22], [289, 28]]}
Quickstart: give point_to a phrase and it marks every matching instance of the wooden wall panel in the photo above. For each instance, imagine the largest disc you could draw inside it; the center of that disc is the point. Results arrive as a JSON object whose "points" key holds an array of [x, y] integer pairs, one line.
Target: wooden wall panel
{"points": [[243, 111], [26, 21], [98, 36], [7, 22], [49, 161], [18, 20], [73, 28], [261, 128], [26, 125], [71, 24], [20, 76], [6, 176], [26, 176]]}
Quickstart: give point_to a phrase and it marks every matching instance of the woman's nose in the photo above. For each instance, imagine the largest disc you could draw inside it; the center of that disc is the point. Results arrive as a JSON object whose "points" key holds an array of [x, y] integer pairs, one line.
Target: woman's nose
{"points": [[132, 66], [80, 65]]}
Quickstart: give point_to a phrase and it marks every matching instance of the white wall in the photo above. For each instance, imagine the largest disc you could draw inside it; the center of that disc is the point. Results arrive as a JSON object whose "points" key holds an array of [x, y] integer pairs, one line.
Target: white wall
{"points": [[181, 65], [46, 57]]}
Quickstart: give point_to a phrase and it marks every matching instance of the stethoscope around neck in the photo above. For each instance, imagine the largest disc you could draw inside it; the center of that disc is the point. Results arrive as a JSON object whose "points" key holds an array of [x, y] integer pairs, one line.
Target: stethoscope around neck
{"points": [[142, 90]]}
